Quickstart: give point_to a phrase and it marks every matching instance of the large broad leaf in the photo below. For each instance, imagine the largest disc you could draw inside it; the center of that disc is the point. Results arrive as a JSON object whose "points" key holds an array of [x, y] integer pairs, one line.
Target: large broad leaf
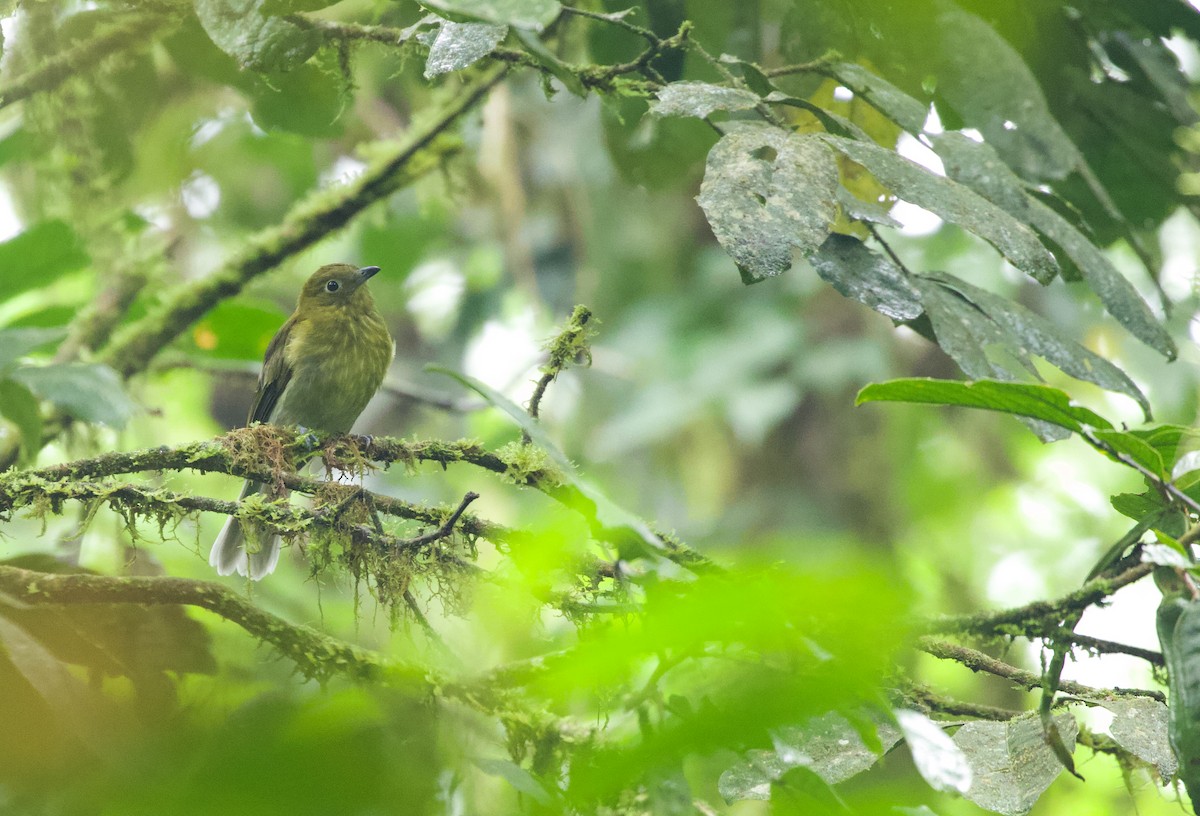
{"points": [[257, 41], [868, 277], [767, 192], [953, 202], [532, 15], [20, 407], [235, 330], [1033, 334], [89, 392], [1178, 624], [459, 45], [699, 99], [16, 343], [1005, 102], [976, 165], [1020, 399], [1140, 727], [1011, 764], [937, 758], [39, 255], [828, 745]]}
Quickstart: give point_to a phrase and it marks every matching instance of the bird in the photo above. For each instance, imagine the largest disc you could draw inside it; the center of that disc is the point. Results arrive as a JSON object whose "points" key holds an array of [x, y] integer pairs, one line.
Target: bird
{"points": [[319, 372]]}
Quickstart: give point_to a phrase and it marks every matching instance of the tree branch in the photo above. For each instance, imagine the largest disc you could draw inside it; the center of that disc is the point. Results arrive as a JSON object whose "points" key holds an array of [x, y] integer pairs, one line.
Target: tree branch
{"points": [[977, 661], [1037, 619]]}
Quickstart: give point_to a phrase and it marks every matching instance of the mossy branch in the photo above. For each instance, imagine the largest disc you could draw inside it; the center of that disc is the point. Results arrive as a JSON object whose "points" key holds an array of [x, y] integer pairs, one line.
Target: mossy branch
{"points": [[419, 152], [132, 32]]}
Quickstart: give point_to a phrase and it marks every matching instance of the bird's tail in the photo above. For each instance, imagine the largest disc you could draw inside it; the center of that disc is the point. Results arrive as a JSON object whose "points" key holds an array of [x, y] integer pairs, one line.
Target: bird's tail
{"points": [[229, 553]]}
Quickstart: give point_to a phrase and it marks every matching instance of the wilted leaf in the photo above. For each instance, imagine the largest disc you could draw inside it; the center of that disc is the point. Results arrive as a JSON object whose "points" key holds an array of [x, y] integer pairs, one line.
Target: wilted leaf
{"points": [[528, 14], [953, 202], [20, 407], [459, 45], [977, 166], [1140, 726], [257, 41], [866, 276], [16, 343], [39, 255], [1021, 399], [89, 392], [766, 192], [1010, 761], [937, 758], [699, 99]]}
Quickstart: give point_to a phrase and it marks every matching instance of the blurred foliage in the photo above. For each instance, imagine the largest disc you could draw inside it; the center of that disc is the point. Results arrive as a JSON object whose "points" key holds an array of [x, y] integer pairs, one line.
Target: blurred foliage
{"points": [[704, 575]]}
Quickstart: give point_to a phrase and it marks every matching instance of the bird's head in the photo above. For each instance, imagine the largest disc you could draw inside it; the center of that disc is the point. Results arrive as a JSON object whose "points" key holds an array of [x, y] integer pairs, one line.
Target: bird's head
{"points": [[337, 285]]}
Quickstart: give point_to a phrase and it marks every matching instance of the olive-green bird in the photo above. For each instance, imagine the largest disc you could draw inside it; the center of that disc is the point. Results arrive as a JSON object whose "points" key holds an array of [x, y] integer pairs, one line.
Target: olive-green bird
{"points": [[321, 369]]}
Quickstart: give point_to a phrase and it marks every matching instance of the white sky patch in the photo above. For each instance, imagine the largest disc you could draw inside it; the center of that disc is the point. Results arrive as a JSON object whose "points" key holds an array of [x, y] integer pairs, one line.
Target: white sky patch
{"points": [[504, 353], [1180, 238], [201, 196], [343, 170], [933, 122], [435, 291], [10, 222], [1185, 51], [1129, 619], [843, 94], [206, 131], [1015, 580], [917, 221]]}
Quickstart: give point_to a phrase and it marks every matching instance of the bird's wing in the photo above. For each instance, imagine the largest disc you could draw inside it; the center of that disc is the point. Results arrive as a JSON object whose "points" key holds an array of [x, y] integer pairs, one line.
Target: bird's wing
{"points": [[276, 373]]}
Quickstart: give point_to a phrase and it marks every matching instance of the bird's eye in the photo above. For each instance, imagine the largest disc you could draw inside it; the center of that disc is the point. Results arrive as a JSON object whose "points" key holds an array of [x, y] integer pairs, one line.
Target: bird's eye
{"points": [[332, 286]]}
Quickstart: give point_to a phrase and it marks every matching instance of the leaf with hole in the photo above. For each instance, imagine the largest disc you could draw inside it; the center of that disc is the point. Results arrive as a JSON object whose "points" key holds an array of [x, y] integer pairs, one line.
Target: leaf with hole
{"points": [[767, 192]]}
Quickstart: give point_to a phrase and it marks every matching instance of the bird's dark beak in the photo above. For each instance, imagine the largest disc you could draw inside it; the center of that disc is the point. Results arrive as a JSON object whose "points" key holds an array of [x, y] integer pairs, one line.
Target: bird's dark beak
{"points": [[366, 273]]}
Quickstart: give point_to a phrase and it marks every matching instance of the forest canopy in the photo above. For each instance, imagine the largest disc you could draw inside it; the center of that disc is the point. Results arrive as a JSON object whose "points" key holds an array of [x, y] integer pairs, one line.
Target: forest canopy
{"points": [[792, 409]]}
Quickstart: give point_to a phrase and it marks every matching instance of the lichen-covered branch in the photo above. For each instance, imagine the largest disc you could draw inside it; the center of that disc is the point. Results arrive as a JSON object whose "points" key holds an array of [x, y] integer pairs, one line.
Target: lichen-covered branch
{"points": [[977, 661], [1039, 618], [316, 655], [420, 151]]}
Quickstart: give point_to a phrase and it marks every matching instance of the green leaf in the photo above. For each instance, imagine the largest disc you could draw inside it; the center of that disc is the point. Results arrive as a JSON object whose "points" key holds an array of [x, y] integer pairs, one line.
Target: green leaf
{"points": [[1140, 727], [977, 166], [308, 99], [1020, 399], [699, 99], [938, 759], [1011, 763], [894, 103], [41, 254], [533, 15], [521, 780], [459, 45], [16, 343], [766, 192], [1135, 448], [1152, 514], [861, 274], [20, 407], [953, 202], [871, 212], [72, 703], [828, 745], [1179, 637], [258, 42], [1171, 442], [1005, 102], [92, 393], [1033, 334]]}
